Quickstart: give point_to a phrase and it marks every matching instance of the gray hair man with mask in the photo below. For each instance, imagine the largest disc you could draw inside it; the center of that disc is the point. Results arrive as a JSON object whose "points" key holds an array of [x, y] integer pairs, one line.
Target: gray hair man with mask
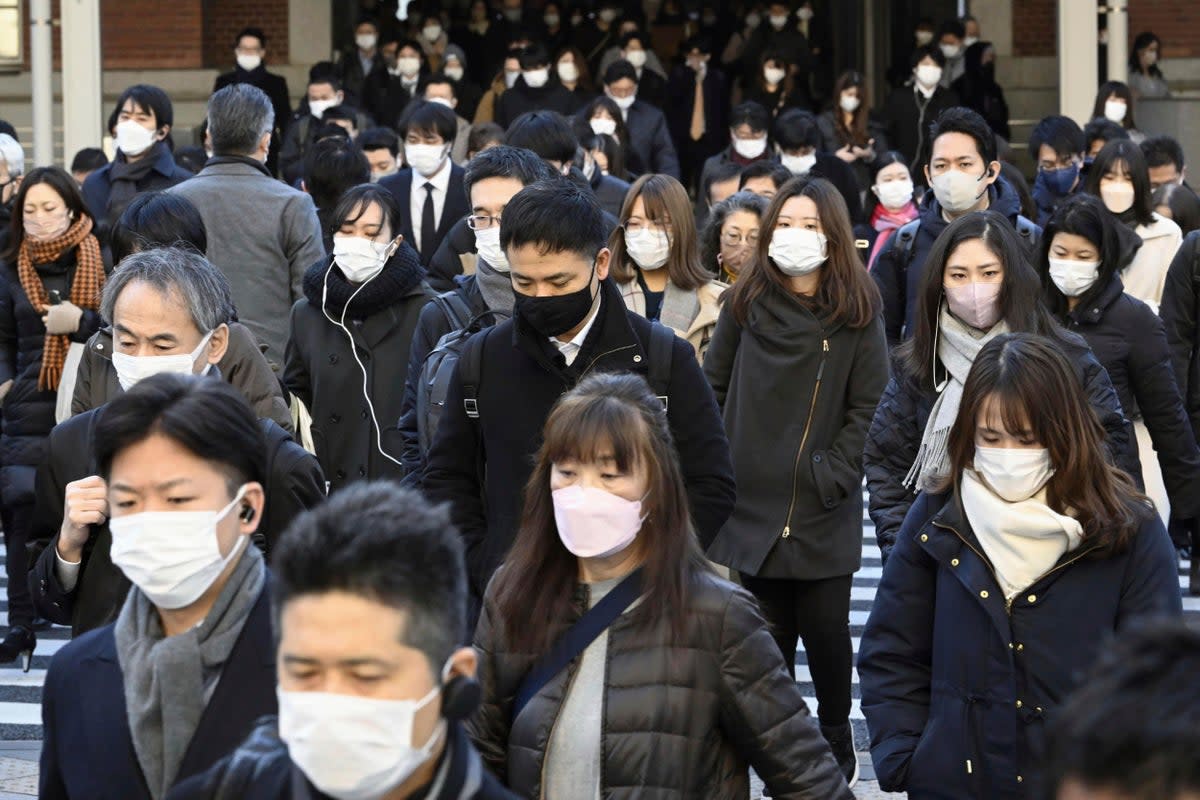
{"points": [[170, 312]]}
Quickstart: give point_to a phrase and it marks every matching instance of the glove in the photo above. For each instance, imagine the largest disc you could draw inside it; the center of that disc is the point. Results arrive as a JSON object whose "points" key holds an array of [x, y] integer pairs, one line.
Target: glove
{"points": [[63, 318]]}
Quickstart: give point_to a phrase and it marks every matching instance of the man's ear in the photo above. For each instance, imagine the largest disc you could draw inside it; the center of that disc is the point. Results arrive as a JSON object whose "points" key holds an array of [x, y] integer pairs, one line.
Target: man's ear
{"points": [[218, 344], [993, 172], [603, 260]]}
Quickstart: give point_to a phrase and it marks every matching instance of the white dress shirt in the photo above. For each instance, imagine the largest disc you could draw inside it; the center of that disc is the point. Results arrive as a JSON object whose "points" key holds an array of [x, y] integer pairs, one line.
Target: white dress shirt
{"points": [[570, 350], [416, 199]]}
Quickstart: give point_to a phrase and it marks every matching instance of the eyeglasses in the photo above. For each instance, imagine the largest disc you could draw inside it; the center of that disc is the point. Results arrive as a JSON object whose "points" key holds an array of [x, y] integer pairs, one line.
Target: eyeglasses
{"points": [[737, 239], [637, 226], [481, 222]]}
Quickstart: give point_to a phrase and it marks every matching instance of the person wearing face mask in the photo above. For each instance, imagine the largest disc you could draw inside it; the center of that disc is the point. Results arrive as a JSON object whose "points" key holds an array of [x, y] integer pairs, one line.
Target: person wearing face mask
{"points": [[697, 107], [798, 362], [537, 89], [900, 72], [776, 87], [250, 52], [1146, 78], [602, 117], [636, 47], [965, 176], [572, 71], [374, 683], [504, 80], [951, 39], [351, 336], [360, 64], [730, 236], [568, 322], [780, 34], [140, 124], [748, 142], [911, 107], [324, 93], [466, 89], [1057, 142], [1081, 258], [1114, 102], [656, 261], [798, 138], [978, 284], [433, 41], [891, 205], [438, 88], [1120, 178], [650, 144], [850, 130], [600, 32], [978, 90], [387, 91], [606, 529], [1007, 582], [178, 680]]}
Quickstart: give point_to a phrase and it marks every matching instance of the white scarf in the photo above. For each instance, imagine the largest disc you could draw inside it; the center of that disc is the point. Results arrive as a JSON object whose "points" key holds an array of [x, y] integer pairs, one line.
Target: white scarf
{"points": [[1023, 540], [957, 346]]}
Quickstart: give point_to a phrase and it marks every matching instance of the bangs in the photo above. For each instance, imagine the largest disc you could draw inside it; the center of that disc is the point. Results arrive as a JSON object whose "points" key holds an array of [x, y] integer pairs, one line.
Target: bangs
{"points": [[1020, 406], [591, 431]]}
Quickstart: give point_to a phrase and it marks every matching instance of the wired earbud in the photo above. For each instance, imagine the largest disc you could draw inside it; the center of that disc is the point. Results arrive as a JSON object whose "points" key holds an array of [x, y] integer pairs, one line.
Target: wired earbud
{"points": [[247, 514]]}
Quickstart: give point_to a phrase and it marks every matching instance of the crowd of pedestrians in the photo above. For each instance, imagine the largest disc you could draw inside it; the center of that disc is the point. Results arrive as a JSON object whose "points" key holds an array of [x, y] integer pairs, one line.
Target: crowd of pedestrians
{"points": [[495, 425]]}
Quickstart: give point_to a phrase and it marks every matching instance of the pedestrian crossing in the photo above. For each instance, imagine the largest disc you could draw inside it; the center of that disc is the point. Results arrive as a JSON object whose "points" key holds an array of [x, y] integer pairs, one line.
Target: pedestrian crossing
{"points": [[20, 693]]}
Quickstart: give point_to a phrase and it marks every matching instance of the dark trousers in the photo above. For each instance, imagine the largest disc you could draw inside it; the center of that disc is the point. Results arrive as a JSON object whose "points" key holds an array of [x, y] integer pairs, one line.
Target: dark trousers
{"points": [[18, 521], [817, 613]]}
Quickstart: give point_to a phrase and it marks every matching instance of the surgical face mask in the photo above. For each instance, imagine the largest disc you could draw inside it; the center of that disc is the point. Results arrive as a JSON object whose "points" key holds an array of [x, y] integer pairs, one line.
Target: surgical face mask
{"points": [[750, 148], [624, 103], [425, 159], [924, 38], [929, 75], [798, 251], [510, 77], [132, 369], [132, 138], [603, 126], [318, 107], [1073, 278], [432, 32], [555, 315], [173, 557], [551, 20], [43, 230], [607, 15], [354, 748], [970, 41], [849, 103], [649, 248], [536, 78], [359, 258], [798, 165], [249, 63], [366, 41], [1059, 182], [637, 58], [1014, 474], [753, 20], [957, 191], [976, 304], [512, 14], [894, 194], [593, 523], [774, 75], [1118, 196], [1114, 110], [951, 51], [778, 21], [805, 13], [454, 73], [568, 72], [408, 66], [487, 244]]}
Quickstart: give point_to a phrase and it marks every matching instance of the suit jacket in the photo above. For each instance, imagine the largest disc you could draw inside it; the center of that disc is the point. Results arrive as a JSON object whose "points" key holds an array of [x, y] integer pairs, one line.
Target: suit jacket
{"points": [[454, 209], [650, 139], [87, 749]]}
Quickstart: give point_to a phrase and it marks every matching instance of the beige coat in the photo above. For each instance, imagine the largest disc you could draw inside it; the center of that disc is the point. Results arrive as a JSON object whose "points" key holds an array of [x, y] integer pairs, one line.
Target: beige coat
{"points": [[1146, 274], [699, 330]]}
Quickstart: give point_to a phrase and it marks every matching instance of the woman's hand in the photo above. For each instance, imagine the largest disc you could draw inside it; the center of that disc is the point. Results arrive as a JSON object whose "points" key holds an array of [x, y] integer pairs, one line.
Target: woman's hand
{"points": [[62, 319]]}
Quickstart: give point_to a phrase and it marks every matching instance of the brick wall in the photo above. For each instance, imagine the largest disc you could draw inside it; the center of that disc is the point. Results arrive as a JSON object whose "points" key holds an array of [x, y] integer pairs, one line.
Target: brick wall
{"points": [[224, 18], [1035, 26]]}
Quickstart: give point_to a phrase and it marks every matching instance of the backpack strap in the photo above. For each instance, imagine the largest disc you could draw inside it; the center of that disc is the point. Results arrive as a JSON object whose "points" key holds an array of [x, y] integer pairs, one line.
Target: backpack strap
{"points": [[470, 372], [454, 308], [661, 349], [906, 239], [576, 639]]}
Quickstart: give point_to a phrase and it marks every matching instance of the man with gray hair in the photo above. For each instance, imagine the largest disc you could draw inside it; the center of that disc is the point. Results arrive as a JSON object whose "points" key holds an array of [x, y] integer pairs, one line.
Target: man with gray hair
{"points": [[170, 311], [12, 169], [262, 233]]}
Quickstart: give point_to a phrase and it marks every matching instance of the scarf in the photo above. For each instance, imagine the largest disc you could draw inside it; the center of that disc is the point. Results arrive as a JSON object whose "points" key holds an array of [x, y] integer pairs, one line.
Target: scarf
{"points": [[166, 678], [888, 222], [1023, 540], [85, 287], [125, 176], [496, 287], [957, 346], [400, 275], [679, 308]]}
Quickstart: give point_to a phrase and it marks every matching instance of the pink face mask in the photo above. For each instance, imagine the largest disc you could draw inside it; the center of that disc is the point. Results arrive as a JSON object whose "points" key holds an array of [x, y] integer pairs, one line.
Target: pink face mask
{"points": [[593, 523], [977, 304]]}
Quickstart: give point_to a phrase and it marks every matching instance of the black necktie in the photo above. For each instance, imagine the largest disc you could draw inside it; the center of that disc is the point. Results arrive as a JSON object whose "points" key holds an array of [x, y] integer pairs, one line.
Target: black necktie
{"points": [[428, 228]]}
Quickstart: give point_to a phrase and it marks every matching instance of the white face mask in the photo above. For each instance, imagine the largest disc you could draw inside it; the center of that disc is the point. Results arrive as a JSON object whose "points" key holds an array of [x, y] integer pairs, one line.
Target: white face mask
{"points": [[798, 251], [970, 41], [359, 258], [924, 38], [568, 72], [1114, 110], [750, 148], [650, 249], [603, 126], [774, 75], [929, 76], [510, 77], [432, 32], [798, 165], [1014, 475], [778, 21], [454, 73], [894, 194], [173, 557], [131, 369], [951, 51], [366, 41], [805, 14], [133, 139], [607, 14], [1073, 278], [624, 103], [249, 63], [637, 58], [537, 78], [354, 748], [849, 103], [957, 191], [487, 244], [318, 107], [408, 66], [1118, 196], [551, 20], [425, 159], [753, 20]]}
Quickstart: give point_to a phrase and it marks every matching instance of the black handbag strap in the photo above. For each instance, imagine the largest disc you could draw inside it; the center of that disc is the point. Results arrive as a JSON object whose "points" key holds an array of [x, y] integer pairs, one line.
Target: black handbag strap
{"points": [[576, 639]]}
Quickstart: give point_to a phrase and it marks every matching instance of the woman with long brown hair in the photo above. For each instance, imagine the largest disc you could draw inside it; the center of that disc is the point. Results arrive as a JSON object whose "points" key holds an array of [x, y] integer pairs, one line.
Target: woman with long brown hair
{"points": [[1005, 582], [798, 362], [682, 686], [849, 130], [656, 261]]}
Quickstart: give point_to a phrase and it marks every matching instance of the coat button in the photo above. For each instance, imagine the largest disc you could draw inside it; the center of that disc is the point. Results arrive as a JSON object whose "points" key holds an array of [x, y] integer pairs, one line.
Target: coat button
{"points": [[954, 562], [924, 537], [1019, 704], [637, 359], [335, 418], [1020, 647], [333, 359], [341, 474], [1032, 598], [816, 458], [362, 473], [364, 414], [984, 594], [1020, 779]]}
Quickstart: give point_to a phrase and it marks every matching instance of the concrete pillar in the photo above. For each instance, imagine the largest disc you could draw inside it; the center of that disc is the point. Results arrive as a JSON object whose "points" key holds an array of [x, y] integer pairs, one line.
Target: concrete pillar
{"points": [[1118, 40], [83, 97], [1077, 72], [41, 68], [309, 26], [995, 22]]}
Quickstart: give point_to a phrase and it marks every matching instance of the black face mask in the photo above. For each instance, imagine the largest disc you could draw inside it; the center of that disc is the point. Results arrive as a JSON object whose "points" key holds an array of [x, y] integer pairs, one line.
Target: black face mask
{"points": [[554, 316]]}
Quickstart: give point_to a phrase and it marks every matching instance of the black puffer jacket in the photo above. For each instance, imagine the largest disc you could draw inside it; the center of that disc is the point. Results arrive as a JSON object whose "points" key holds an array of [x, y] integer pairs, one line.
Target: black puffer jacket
{"points": [[1180, 311], [29, 412], [680, 719], [896, 431]]}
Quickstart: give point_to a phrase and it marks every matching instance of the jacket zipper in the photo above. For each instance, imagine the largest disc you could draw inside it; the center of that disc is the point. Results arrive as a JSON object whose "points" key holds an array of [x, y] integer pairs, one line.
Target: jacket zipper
{"points": [[812, 408]]}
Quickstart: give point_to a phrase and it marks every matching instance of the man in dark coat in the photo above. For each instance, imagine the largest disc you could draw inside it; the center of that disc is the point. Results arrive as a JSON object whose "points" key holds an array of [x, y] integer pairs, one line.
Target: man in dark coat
{"points": [[798, 135], [913, 107], [649, 134], [359, 64], [569, 321], [535, 90], [747, 140], [353, 585], [698, 134], [251, 50]]}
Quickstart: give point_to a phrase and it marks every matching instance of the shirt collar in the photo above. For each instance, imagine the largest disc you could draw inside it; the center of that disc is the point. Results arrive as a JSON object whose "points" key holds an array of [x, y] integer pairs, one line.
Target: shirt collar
{"points": [[578, 339]]}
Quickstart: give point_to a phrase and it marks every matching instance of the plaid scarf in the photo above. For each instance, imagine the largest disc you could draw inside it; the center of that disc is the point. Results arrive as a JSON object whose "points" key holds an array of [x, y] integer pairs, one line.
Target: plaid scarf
{"points": [[85, 288]]}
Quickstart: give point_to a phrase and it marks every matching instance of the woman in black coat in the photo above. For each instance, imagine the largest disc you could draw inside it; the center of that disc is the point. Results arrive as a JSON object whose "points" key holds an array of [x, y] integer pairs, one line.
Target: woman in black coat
{"points": [[977, 284], [1004, 589], [1083, 251], [371, 292], [683, 689], [798, 362], [49, 291]]}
